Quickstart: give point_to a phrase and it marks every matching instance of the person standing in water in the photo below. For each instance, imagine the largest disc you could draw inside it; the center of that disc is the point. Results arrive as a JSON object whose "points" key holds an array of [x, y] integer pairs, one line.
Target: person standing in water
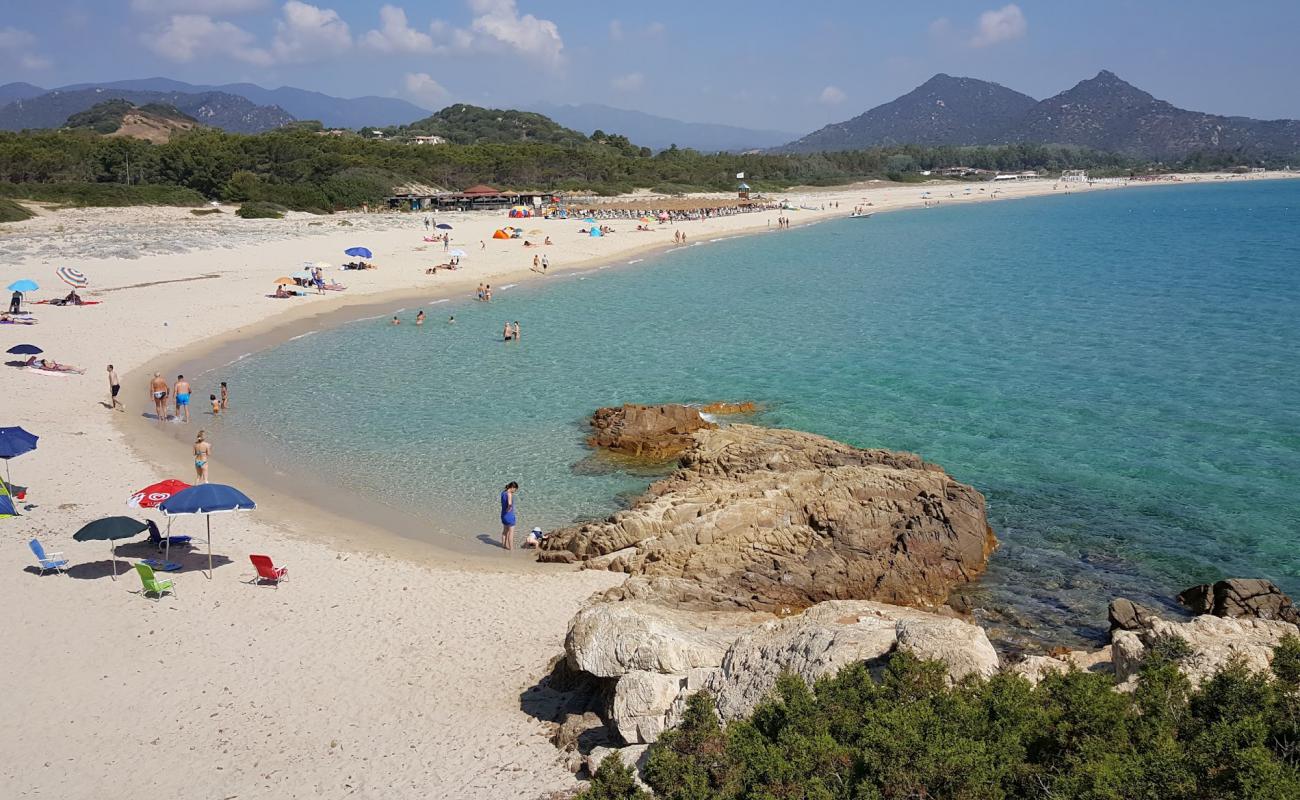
{"points": [[182, 397], [202, 452], [419, 317], [225, 396], [508, 518], [516, 330], [506, 333], [158, 391], [114, 386]]}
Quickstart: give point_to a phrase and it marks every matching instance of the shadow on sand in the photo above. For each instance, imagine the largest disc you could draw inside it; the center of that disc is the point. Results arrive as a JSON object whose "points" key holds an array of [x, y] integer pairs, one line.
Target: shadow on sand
{"points": [[577, 706]]}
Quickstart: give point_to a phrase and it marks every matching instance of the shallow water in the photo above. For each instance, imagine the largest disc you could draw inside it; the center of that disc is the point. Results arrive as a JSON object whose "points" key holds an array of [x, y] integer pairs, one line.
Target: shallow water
{"points": [[1116, 371]]}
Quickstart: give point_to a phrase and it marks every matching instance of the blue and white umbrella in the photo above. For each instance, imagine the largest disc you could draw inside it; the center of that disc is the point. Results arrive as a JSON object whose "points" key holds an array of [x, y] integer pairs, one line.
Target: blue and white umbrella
{"points": [[206, 499]]}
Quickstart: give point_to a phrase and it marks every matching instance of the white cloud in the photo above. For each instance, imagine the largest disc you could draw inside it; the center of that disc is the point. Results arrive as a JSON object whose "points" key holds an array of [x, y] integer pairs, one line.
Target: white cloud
{"points": [[628, 83], [656, 29], [941, 29], [499, 22], [185, 37], [395, 35], [309, 33], [197, 6], [14, 39], [1002, 25], [831, 96], [423, 88], [615, 30]]}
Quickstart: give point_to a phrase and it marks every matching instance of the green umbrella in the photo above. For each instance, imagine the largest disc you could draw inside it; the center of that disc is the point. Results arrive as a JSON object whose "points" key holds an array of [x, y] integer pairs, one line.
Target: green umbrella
{"points": [[111, 529]]}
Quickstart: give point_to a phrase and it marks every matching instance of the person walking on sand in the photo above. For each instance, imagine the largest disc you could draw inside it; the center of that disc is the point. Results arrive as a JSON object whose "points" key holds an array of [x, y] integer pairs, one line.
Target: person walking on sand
{"points": [[202, 452], [537, 262], [426, 222], [508, 518], [182, 398], [114, 386], [546, 262], [158, 391]]}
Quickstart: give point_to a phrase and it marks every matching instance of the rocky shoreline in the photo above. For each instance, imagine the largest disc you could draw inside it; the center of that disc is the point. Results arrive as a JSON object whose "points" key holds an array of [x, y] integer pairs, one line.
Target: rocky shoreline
{"points": [[773, 551]]}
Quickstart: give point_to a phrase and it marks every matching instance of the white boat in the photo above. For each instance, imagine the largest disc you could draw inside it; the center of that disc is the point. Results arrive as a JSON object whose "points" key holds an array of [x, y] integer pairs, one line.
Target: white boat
{"points": [[856, 215]]}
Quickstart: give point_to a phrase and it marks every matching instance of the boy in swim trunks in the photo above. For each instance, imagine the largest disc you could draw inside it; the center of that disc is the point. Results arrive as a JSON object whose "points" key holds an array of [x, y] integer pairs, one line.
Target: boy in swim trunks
{"points": [[182, 398]]}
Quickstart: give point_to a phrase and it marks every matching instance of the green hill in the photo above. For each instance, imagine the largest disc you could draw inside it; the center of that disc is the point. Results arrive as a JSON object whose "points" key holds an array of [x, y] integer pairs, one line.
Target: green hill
{"points": [[465, 124]]}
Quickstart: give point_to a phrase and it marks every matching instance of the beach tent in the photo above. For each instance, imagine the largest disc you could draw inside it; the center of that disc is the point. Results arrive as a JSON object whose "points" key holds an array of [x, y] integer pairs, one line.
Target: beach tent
{"points": [[7, 508], [500, 235], [206, 499], [14, 442], [595, 232], [519, 212], [111, 529]]}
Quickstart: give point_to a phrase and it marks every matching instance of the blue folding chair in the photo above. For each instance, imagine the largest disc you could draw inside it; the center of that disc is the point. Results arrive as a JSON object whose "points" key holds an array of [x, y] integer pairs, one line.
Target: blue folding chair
{"points": [[48, 561]]}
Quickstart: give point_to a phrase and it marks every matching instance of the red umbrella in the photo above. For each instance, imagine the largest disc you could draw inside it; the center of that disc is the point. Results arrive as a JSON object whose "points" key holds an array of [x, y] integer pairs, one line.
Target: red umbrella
{"points": [[152, 496]]}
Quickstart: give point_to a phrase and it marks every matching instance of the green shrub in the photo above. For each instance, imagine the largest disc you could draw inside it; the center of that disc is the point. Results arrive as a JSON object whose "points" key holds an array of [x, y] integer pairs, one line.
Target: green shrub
{"points": [[260, 210], [103, 194], [613, 781], [13, 212], [203, 212], [910, 734]]}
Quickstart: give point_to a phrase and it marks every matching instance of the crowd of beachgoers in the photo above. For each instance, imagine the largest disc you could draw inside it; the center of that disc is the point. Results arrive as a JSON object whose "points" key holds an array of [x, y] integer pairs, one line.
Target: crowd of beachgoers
{"points": [[674, 215]]}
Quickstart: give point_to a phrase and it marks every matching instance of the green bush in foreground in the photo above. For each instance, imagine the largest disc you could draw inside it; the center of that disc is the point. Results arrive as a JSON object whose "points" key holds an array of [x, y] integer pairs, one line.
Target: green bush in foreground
{"points": [[109, 195], [261, 211], [12, 212], [913, 736]]}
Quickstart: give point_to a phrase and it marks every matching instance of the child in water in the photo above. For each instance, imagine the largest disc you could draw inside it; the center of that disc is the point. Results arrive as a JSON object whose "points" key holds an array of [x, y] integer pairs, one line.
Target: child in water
{"points": [[216, 404]]}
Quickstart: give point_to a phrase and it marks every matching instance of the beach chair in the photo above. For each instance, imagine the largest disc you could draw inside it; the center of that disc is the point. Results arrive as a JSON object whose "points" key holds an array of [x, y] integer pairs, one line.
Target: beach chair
{"points": [[159, 541], [266, 571], [48, 561], [151, 584]]}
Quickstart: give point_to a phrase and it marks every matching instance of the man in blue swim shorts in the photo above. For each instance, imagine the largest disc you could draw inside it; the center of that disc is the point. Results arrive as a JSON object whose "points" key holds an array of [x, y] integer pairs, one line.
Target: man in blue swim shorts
{"points": [[182, 395]]}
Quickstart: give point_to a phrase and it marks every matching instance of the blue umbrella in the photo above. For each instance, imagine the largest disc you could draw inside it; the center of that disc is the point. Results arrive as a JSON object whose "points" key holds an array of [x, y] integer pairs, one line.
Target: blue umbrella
{"points": [[443, 226], [13, 443], [206, 499], [23, 285], [359, 252], [25, 350], [589, 221]]}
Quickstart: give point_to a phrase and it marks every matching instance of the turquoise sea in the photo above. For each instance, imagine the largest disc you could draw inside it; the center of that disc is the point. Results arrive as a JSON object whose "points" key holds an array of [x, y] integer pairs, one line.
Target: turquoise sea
{"points": [[1118, 372]]}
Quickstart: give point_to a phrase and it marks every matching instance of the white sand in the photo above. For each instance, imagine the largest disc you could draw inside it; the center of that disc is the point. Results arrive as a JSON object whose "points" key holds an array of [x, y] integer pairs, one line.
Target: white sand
{"points": [[383, 667]]}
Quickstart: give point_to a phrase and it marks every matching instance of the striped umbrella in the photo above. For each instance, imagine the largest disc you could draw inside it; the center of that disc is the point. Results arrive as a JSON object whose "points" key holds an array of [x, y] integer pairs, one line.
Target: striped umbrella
{"points": [[73, 277]]}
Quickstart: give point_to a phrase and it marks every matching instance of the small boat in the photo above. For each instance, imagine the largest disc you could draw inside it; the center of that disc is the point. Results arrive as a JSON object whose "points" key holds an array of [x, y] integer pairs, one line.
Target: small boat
{"points": [[856, 215]]}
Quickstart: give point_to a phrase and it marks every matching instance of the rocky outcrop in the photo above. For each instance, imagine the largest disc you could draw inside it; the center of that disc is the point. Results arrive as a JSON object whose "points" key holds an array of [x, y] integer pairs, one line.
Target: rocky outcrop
{"points": [[778, 520], [660, 656], [655, 433], [1034, 668], [1126, 615], [1241, 597], [1214, 643]]}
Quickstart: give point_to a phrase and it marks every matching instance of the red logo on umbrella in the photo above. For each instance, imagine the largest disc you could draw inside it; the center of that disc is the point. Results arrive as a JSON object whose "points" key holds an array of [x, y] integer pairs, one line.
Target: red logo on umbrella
{"points": [[153, 496]]}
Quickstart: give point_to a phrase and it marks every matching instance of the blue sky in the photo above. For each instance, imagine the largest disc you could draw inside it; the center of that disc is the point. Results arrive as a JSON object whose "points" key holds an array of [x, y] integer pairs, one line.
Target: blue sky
{"points": [[782, 65]]}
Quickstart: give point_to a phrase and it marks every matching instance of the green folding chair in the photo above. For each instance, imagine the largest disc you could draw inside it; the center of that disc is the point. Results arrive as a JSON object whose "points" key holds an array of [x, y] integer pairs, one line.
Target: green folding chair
{"points": [[151, 584]]}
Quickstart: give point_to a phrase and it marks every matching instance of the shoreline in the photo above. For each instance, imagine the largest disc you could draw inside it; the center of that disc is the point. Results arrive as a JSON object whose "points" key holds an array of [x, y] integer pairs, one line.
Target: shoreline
{"points": [[432, 652]]}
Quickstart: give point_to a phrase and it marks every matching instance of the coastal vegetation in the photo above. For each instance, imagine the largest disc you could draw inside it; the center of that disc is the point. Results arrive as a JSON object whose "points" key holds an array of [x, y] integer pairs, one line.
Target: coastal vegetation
{"points": [[910, 734], [13, 212], [306, 169]]}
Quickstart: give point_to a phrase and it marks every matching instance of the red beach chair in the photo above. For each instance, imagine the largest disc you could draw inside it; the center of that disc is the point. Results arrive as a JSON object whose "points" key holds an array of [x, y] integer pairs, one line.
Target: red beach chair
{"points": [[266, 571]]}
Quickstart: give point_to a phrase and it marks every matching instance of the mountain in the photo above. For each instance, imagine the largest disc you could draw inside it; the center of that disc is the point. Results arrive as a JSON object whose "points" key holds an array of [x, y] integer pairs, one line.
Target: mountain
{"points": [[154, 122], [1107, 113], [466, 124], [658, 133], [942, 111], [1103, 113], [217, 109], [18, 91], [333, 112]]}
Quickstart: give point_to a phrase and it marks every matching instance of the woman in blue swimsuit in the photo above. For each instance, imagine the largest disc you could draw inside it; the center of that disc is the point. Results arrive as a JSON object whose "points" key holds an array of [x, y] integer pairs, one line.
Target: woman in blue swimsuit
{"points": [[508, 515]]}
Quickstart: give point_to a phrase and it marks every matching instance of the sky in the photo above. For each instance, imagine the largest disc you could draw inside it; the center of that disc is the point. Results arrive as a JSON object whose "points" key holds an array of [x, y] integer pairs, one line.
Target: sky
{"points": [[776, 65]]}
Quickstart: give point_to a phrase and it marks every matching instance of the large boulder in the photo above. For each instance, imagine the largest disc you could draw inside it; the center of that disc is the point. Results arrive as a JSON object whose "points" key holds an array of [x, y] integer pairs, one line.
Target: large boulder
{"points": [[655, 433], [963, 647], [779, 520], [1241, 597], [1126, 615], [642, 701], [1214, 643]]}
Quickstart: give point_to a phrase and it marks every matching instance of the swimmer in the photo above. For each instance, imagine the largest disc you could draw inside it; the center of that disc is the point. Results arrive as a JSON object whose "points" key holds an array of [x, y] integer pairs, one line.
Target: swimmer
{"points": [[419, 318]]}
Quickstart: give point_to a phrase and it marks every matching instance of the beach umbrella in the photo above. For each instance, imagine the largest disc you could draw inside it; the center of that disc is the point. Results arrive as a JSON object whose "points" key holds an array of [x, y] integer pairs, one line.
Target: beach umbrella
{"points": [[302, 275], [358, 252], [443, 226], [284, 281], [111, 529], [23, 285], [457, 253], [72, 277], [14, 442], [589, 221], [206, 499], [25, 350], [154, 494], [322, 265]]}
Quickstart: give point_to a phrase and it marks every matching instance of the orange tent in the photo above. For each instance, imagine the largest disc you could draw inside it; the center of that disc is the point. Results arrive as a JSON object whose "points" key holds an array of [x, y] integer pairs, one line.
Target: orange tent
{"points": [[500, 235]]}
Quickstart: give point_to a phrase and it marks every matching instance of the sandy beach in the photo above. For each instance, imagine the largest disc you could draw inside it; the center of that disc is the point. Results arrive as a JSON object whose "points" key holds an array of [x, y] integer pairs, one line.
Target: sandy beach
{"points": [[384, 666]]}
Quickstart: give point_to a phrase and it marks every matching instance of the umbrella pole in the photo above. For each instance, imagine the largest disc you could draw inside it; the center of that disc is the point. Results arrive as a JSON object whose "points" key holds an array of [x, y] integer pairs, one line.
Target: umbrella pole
{"points": [[167, 544], [112, 550], [209, 516]]}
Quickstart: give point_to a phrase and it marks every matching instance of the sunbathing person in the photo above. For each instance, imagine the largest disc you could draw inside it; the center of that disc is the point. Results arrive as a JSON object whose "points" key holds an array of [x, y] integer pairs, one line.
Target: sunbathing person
{"points": [[280, 291]]}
